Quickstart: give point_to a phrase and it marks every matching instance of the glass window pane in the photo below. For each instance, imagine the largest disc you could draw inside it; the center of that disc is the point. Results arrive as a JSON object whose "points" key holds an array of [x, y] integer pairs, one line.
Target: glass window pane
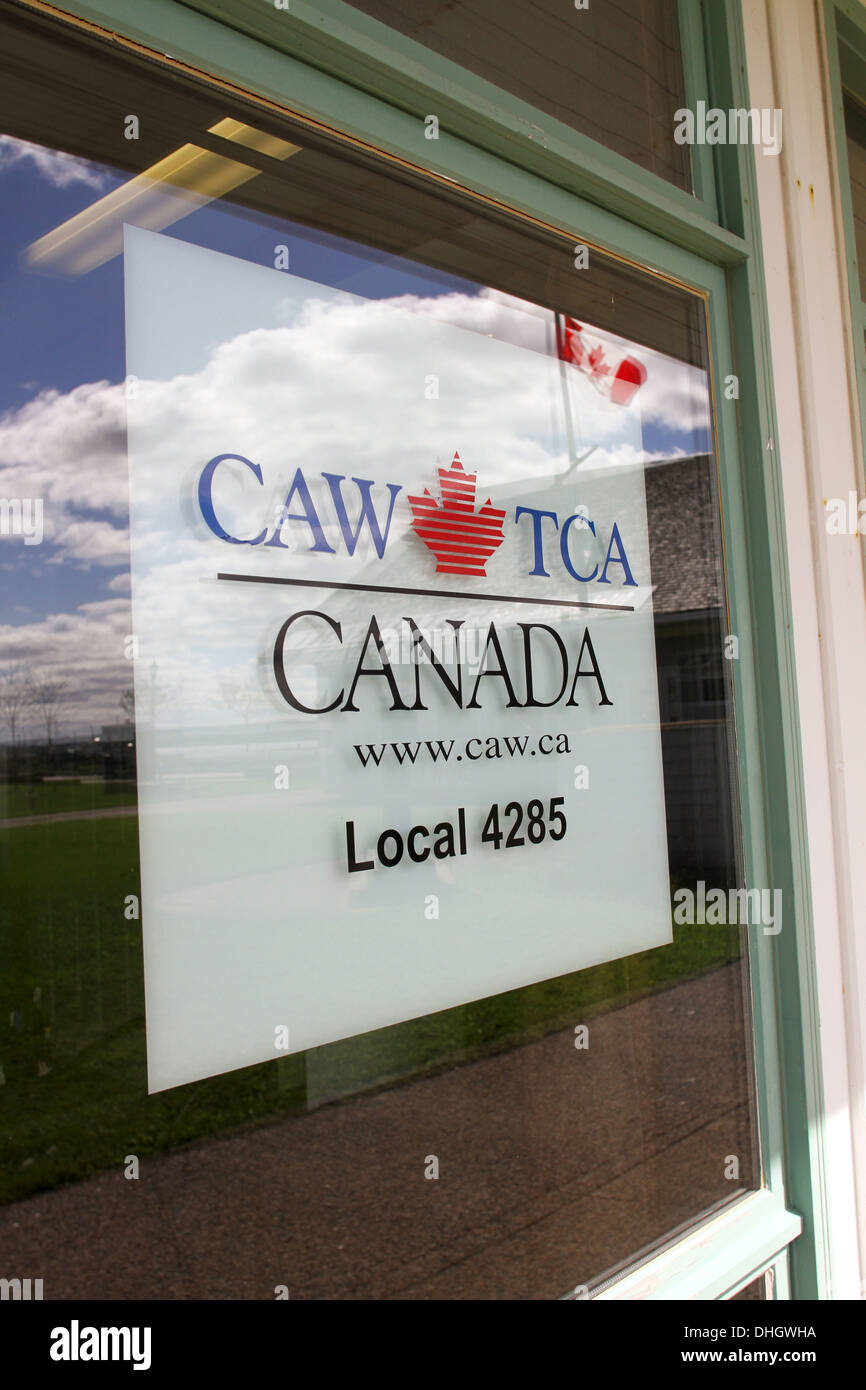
{"points": [[578, 1121], [612, 71], [754, 1292], [855, 129]]}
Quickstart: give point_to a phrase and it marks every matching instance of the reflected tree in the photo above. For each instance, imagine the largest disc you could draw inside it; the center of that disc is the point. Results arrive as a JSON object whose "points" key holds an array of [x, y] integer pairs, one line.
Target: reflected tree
{"points": [[15, 696], [47, 693]]}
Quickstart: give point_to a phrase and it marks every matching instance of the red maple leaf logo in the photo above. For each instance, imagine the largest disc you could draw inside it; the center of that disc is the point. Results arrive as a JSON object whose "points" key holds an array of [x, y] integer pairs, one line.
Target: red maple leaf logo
{"points": [[461, 538]]}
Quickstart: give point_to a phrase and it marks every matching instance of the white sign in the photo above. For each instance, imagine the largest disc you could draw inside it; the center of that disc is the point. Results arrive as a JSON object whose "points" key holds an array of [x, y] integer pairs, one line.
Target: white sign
{"points": [[396, 695]]}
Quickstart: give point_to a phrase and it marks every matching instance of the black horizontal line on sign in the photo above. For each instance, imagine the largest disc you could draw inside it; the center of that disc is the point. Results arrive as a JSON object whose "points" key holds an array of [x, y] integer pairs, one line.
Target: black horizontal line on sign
{"points": [[423, 593]]}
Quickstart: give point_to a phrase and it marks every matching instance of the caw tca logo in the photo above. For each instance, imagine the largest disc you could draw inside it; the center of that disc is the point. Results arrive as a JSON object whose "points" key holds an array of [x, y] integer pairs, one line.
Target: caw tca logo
{"points": [[461, 539]]}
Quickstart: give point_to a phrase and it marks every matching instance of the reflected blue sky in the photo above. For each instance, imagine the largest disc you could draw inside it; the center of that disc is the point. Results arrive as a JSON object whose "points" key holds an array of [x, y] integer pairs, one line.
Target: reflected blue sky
{"points": [[63, 333]]}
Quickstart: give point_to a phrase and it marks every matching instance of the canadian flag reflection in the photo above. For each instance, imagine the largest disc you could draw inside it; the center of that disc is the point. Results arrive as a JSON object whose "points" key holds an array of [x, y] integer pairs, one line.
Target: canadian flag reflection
{"points": [[617, 380]]}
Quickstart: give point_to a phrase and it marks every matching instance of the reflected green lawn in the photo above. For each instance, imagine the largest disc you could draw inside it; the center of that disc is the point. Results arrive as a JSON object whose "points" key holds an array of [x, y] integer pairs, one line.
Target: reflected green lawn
{"points": [[73, 1098], [57, 798]]}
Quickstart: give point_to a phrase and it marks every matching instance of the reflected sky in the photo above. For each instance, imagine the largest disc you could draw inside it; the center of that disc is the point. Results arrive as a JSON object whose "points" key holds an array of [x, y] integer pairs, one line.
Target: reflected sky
{"points": [[63, 405]]}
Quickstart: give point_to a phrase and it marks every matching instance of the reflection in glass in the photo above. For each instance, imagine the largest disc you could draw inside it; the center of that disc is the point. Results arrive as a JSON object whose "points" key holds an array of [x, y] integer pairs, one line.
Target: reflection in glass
{"points": [[558, 1163], [612, 71]]}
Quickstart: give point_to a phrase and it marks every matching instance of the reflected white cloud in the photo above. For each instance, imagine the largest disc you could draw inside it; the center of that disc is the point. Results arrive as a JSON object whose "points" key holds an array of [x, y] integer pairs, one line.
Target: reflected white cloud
{"points": [[674, 394], [69, 448], [269, 393], [85, 648], [57, 168]]}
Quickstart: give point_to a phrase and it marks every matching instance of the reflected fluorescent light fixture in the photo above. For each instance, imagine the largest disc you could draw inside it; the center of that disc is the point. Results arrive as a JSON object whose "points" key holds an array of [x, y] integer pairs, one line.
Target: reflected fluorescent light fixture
{"points": [[258, 140], [187, 179]]}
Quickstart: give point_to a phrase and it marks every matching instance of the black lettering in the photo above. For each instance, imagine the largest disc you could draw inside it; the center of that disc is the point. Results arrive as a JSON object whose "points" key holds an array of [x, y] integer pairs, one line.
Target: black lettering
{"points": [[279, 662], [421, 647], [595, 673], [354, 866], [418, 856], [501, 673], [384, 671], [390, 861], [531, 701]]}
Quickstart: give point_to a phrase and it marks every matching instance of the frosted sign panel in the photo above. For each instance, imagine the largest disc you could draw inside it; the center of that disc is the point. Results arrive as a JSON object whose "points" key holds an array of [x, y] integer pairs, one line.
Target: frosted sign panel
{"points": [[396, 697]]}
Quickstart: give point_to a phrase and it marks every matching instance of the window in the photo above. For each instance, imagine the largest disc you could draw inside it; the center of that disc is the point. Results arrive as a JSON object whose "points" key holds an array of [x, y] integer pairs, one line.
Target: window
{"points": [[564, 1162], [611, 71], [848, 78], [855, 129]]}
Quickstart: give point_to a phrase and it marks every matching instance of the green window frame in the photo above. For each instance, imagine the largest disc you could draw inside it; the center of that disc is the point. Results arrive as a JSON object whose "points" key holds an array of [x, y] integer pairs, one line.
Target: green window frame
{"points": [[329, 64]]}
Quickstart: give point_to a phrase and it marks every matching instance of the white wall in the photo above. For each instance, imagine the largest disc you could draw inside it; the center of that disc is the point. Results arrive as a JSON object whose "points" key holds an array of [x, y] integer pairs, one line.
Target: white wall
{"points": [[821, 456]]}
